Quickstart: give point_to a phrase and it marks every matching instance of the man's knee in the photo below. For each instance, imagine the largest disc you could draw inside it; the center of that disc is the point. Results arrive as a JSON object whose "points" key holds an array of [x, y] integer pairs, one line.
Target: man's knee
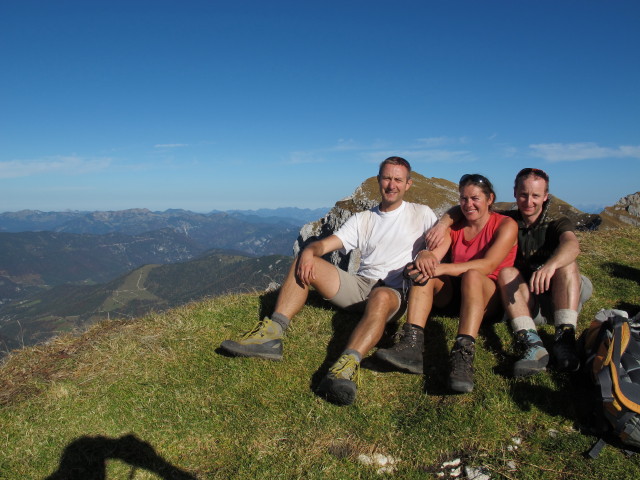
{"points": [[383, 300], [566, 276]]}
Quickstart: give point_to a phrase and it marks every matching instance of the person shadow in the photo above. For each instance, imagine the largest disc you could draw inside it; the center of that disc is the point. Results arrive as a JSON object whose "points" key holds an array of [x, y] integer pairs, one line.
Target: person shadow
{"points": [[85, 458]]}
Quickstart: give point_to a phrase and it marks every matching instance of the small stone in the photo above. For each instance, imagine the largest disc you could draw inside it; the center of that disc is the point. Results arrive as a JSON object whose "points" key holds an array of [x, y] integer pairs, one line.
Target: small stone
{"points": [[389, 469], [511, 465], [380, 459], [553, 433], [456, 472], [451, 463], [365, 459], [516, 440], [474, 473]]}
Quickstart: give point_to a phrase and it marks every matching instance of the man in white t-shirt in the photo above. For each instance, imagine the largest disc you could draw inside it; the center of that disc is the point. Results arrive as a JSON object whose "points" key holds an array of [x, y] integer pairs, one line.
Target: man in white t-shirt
{"points": [[388, 236]]}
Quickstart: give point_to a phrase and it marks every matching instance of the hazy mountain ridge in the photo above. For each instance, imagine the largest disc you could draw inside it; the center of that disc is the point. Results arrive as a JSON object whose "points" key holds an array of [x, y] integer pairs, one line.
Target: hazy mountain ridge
{"points": [[151, 287], [63, 257], [138, 220]]}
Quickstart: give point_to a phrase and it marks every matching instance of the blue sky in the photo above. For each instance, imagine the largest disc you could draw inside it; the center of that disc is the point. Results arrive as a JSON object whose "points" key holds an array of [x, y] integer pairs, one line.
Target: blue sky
{"points": [[203, 105]]}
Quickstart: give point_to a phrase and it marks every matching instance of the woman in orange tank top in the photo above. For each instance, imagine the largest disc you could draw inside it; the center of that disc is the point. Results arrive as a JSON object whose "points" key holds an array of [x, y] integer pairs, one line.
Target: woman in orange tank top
{"points": [[479, 246]]}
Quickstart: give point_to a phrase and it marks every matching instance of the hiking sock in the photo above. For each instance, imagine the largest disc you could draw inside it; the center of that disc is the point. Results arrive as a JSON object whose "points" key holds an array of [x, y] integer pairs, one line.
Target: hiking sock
{"points": [[281, 320], [354, 353], [522, 323], [463, 336], [565, 316]]}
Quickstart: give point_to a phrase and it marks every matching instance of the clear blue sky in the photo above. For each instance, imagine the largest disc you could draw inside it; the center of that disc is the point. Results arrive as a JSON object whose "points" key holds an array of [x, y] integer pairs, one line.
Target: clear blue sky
{"points": [[203, 105]]}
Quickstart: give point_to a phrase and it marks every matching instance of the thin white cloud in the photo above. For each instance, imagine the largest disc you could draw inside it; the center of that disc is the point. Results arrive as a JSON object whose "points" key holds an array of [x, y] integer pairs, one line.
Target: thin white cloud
{"points": [[58, 164], [571, 152]]}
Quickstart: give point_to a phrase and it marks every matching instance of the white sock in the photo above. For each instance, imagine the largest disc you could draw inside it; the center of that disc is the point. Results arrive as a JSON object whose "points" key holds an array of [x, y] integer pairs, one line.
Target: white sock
{"points": [[522, 323], [565, 316]]}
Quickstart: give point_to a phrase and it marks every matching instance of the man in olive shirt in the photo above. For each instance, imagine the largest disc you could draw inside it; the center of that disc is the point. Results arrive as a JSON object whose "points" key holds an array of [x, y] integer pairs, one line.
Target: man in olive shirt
{"points": [[545, 281]]}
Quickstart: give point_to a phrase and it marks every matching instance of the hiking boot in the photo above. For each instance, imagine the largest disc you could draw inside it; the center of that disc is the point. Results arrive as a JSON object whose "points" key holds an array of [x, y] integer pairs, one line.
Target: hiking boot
{"points": [[461, 365], [339, 385], [564, 349], [407, 353], [534, 358], [264, 341]]}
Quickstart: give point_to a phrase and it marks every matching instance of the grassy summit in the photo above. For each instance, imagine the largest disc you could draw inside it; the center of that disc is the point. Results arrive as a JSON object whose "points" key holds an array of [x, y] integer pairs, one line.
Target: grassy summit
{"points": [[150, 398]]}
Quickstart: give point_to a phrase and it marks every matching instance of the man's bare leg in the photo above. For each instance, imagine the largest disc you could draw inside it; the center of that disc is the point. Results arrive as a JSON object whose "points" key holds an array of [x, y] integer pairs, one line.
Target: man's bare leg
{"points": [[565, 291], [340, 383], [518, 303], [265, 339]]}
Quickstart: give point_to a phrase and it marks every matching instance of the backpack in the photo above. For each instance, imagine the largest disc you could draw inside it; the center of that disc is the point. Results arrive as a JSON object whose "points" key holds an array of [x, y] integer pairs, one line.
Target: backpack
{"points": [[612, 361]]}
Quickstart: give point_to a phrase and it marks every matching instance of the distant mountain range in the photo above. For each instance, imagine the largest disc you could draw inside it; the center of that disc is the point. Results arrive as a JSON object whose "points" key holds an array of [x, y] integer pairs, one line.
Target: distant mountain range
{"points": [[60, 270], [63, 270]]}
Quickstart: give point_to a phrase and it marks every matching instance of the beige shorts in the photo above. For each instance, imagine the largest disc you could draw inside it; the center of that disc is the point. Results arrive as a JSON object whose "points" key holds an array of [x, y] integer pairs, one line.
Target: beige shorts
{"points": [[354, 291]]}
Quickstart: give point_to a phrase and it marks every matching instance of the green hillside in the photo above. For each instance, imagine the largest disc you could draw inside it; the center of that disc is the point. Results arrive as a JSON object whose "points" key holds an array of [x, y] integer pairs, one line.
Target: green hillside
{"points": [[151, 398], [149, 288]]}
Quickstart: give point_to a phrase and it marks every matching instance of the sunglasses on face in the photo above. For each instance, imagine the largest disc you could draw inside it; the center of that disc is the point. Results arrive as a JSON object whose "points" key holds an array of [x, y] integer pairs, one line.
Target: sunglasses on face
{"points": [[473, 178]]}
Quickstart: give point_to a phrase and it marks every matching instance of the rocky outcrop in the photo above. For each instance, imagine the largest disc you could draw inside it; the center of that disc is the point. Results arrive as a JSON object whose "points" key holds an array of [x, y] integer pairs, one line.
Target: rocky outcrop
{"points": [[624, 213], [438, 193]]}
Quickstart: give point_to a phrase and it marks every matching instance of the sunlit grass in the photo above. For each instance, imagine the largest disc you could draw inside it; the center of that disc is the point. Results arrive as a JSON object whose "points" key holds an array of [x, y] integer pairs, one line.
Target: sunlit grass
{"points": [[151, 398]]}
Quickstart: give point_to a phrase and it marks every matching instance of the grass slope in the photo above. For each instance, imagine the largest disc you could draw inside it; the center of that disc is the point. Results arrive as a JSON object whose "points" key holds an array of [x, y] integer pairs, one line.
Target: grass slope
{"points": [[151, 398]]}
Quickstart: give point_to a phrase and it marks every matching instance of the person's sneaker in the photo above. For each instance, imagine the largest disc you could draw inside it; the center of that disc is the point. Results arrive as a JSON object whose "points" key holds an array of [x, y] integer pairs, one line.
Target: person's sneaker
{"points": [[339, 386], [407, 353], [461, 365], [564, 349], [263, 341], [534, 356]]}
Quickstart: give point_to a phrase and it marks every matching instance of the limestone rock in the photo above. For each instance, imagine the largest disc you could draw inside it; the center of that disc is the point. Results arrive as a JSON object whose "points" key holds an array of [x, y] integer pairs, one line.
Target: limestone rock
{"points": [[624, 213]]}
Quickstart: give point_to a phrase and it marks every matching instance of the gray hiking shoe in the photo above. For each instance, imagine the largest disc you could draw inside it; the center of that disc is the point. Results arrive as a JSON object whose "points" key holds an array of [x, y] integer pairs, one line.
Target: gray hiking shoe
{"points": [[461, 365], [407, 353], [339, 386], [263, 341], [534, 358], [564, 349]]}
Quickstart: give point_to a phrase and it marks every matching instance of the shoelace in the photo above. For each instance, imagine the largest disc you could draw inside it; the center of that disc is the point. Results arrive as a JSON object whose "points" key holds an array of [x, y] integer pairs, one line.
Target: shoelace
{"points": [[260, 329], [466, 354], [347, 364]]}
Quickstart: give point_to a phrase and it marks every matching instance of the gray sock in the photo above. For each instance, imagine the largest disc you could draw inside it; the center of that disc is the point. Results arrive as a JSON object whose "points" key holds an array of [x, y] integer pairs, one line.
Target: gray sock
{"points": [[281, 320], [355, 353]]}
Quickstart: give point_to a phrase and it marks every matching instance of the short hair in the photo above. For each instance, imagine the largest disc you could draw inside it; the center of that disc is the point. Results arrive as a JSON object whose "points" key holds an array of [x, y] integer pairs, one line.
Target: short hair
{"points": [[531, 172], [479, 181], [395, 161]]}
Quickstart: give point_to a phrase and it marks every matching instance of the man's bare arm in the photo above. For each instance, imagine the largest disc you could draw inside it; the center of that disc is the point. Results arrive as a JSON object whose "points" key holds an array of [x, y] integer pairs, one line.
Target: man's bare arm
{"points": [[566, 253], [305, 266], [437, 233]]}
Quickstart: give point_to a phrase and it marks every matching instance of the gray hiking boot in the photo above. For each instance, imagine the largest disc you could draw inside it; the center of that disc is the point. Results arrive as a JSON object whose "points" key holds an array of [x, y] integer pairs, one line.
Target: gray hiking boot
{"points": [[564, 349], [461, 365], [407, 353], [263, 341], [339, 386], [534, 358]]}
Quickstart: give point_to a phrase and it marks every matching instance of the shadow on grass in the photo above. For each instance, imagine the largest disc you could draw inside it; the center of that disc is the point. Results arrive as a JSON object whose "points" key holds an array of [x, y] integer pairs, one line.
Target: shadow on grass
{"points": [[624, 272], [86, 457]]}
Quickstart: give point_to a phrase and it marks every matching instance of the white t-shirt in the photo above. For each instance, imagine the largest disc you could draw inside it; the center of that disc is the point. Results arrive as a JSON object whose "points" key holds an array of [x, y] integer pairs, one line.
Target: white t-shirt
{"points": [[387, 240]]}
